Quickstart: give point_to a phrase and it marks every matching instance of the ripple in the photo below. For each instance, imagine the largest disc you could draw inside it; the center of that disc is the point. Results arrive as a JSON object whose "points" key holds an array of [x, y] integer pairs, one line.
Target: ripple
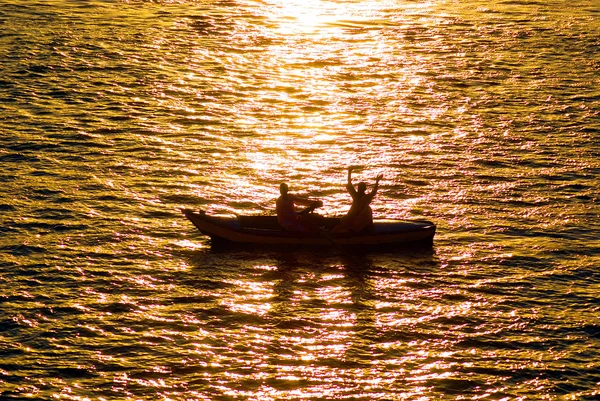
{"points": [[119, 114]]}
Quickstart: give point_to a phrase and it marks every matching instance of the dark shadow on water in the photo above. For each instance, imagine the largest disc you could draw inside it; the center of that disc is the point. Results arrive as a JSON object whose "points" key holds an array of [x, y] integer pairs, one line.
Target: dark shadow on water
{"points": [[351, 260]]}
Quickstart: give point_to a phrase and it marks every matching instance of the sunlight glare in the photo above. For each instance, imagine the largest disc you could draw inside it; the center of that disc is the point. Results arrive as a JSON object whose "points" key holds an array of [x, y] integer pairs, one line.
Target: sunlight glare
{"points": [[300, 15]]}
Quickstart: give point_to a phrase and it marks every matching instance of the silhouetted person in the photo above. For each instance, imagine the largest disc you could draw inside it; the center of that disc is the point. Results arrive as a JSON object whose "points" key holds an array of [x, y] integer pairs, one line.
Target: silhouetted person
{"points": [[287, 216], [360, 215]]}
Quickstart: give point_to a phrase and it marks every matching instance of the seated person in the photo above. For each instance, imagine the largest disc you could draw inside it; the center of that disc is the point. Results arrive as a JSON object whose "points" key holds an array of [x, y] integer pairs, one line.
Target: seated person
{"points": [[360, 215], [287, 216]]}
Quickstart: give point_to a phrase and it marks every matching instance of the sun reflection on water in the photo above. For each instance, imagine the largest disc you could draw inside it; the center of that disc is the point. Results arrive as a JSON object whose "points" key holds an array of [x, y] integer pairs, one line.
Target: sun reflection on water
{"points": [[210, 105], [302, 16]]}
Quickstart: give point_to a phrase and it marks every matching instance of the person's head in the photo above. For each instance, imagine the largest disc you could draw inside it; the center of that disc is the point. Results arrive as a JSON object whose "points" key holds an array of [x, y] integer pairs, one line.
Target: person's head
{"points": [[283, 188], [361, 187]]}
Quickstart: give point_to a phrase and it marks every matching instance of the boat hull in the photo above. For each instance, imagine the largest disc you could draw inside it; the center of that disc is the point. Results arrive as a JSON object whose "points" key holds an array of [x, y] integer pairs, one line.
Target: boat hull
{"points": [[263, 230]]}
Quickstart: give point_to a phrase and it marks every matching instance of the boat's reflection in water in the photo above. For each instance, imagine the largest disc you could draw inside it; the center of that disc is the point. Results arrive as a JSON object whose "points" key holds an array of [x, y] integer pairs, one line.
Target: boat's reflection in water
{"points": [[322, 323]]}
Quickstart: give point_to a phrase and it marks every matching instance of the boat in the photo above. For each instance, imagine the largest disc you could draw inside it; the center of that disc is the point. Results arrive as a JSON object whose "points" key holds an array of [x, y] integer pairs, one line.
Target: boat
{"points": [[265, 230]]}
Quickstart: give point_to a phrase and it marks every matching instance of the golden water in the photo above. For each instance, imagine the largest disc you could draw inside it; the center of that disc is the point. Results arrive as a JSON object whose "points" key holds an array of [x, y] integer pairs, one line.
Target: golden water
{"points": [[483, 117]]}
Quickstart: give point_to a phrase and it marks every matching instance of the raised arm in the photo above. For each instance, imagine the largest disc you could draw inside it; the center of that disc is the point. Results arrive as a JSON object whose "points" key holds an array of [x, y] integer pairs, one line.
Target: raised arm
{"points": [[349, 185], [376, 186]]}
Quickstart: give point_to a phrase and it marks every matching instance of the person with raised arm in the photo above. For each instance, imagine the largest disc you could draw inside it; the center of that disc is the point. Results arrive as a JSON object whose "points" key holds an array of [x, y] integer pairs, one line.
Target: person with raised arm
{"points": [[360, 215]]}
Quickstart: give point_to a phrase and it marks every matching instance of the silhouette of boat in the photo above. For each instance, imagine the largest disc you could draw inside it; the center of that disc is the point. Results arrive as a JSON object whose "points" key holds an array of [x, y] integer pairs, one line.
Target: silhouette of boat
{"points": [[265, 230]]}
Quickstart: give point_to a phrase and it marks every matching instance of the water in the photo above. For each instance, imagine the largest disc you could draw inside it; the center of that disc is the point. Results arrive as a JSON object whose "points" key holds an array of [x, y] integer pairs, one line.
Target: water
{"points": [[482, 117]]}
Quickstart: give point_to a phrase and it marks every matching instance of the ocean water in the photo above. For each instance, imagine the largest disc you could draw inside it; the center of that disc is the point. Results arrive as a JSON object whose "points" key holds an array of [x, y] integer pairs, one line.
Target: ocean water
{"points": [[483, 117]]}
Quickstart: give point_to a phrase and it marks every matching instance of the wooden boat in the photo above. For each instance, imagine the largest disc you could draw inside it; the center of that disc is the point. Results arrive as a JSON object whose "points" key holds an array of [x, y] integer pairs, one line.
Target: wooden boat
{"points": [[265, 230]]}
